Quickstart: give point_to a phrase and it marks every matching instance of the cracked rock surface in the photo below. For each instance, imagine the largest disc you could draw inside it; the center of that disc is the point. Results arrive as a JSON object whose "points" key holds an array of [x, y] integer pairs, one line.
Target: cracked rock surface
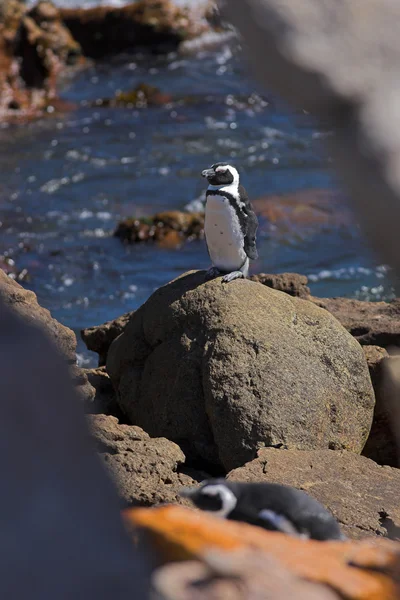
{"points": [[362, 495]]}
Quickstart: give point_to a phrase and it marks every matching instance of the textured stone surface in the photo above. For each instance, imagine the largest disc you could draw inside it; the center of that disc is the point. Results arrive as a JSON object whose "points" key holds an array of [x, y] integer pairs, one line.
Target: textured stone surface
{"points": [[290, 283], [224, 369], [25, 304], [371, 323], [381, 445], [364, 570], [98, 338], [102, 399], [362, 495], [145, 471]]}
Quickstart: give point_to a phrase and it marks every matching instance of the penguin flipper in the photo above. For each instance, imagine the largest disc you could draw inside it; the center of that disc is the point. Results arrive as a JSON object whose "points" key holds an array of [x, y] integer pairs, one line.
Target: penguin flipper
{"points": [[277, 522], [250, 238]]}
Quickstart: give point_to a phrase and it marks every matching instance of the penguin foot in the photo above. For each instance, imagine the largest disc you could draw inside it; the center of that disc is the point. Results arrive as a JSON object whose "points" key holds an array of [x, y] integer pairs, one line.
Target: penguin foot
{"points": [[212, 273], [231, 276]]}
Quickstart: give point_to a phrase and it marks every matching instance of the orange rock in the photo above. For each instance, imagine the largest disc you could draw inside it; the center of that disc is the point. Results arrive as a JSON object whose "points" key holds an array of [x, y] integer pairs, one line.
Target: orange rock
{"points": [[366, 570]]}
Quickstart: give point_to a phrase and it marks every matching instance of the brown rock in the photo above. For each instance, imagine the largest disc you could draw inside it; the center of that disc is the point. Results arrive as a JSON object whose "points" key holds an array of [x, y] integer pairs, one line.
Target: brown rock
{"points": [[158, 24], [362, 570], [240, 575], [362, 495], [381, 445], [371, 323], [145, 471], [99, 337], [157, 228], [225, 369], [103, 399], [25, 304], [290, 283]]}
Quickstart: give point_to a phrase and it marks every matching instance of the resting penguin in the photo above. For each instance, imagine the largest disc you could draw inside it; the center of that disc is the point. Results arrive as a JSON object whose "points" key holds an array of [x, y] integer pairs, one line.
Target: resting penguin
{"points": [[230, 224], [268, 505]]}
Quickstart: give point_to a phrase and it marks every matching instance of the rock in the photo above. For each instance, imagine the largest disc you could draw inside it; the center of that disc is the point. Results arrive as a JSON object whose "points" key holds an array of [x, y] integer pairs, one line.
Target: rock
{"points": [[103, 399], [371, 323], [225, 369], [290, 283], [35, 47], [145, 470], [156, 24], [172, 226], [99, 338], [381, 445], [25, 304], [240, 575], [362, 495], [362, 570], [54, 487]]}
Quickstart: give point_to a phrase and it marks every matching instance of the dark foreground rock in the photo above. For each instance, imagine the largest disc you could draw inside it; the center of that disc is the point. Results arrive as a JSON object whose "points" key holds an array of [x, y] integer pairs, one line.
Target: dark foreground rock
{"points": [[145, 471], [225, 369], [362, 495]]}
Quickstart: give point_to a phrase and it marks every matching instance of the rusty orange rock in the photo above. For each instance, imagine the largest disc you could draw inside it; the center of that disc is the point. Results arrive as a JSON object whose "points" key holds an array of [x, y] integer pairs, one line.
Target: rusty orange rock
{"points": [[366, 570]]}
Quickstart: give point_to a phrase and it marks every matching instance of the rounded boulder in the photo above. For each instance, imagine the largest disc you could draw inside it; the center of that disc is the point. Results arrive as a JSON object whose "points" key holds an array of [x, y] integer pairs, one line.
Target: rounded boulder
{"points": [[224, 369]]}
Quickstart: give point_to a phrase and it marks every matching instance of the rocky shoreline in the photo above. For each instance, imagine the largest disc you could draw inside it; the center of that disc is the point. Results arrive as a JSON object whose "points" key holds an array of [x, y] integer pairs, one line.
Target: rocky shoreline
{"points": [[270, 415], [41, 43]]}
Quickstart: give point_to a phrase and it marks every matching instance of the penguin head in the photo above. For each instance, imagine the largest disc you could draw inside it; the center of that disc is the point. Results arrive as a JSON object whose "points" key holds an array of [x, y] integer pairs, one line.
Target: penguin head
{"points": [[213, 495], [221, 174]]}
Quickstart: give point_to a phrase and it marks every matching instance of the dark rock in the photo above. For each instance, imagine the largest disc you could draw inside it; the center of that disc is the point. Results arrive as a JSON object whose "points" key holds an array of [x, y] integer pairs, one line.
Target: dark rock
{"points": [[381, 445], [156, 24], [362, 495], [168, 228], [145, 471], [99, 337], [103, 400], [142, 96], [25, 304], [54, 486], [225, 369], [290, 283], [371, 323]]}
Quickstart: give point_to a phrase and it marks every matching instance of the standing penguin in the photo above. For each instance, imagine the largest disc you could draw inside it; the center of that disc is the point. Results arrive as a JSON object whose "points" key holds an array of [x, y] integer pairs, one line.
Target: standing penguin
{"points": [[230, 224], [268, 505]]}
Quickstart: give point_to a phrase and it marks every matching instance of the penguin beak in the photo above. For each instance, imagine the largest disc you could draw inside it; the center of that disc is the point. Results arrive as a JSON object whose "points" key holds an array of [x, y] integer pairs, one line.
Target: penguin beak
{"points": [[208, 173], [187, 492]]}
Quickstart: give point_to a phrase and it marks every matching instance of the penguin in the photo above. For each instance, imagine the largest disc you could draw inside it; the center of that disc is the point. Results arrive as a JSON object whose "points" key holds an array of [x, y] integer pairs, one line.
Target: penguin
{"points": [[230, 224], [271, 506]]}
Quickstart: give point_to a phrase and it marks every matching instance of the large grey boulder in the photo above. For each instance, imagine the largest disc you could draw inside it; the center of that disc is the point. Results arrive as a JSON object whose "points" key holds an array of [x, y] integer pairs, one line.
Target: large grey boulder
{"points": [[225, 369]]}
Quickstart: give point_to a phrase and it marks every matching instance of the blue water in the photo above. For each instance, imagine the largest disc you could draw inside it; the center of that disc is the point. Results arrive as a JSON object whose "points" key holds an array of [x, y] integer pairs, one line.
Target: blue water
{"points": [[67, 180]]}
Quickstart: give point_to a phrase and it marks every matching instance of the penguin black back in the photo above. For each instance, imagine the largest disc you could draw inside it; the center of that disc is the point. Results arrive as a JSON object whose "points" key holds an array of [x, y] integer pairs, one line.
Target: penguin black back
{"points": [[271, 506]]}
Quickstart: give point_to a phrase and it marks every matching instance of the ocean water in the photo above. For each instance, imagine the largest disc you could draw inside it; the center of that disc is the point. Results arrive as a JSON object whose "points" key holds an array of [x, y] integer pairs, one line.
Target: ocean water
{"points": [[68, 179]]}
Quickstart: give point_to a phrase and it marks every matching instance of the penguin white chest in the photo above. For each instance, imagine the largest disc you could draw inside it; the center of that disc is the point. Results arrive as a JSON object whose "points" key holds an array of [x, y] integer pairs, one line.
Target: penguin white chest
{"points": [[224, 235]]}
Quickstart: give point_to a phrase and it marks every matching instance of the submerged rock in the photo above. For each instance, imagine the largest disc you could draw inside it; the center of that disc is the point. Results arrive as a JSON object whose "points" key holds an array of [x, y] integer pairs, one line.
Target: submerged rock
{"points": [[145, 470], [362, 495], [170, 228], [361, 570], [225, 369]]}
